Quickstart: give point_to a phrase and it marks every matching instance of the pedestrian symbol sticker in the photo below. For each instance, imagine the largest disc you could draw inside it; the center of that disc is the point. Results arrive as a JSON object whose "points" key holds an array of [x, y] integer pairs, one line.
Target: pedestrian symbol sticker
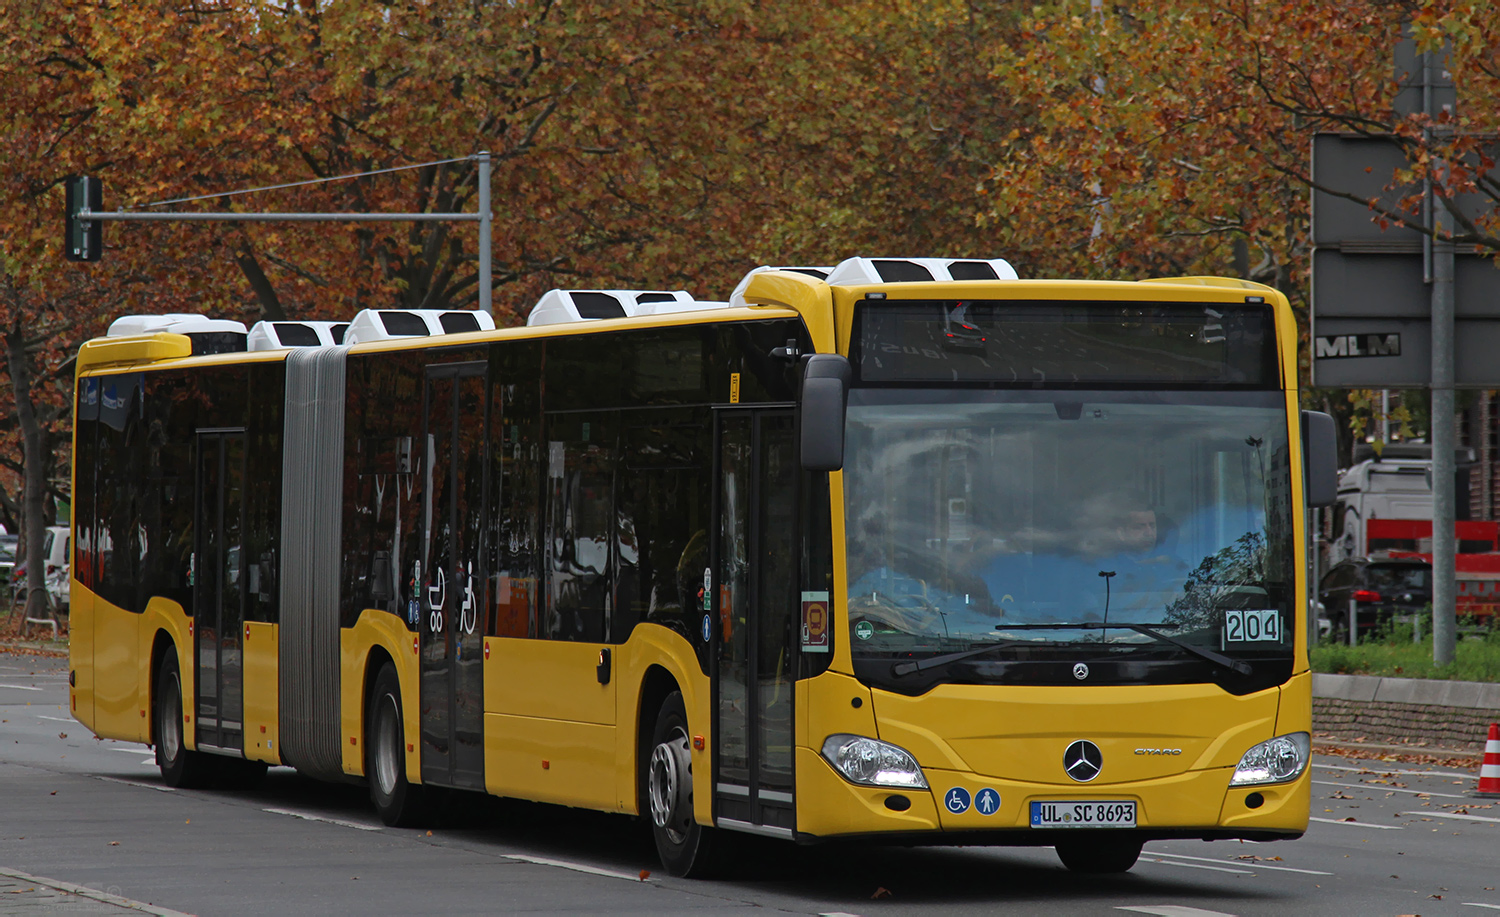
{"points": [[987, 801], [957, 800]]}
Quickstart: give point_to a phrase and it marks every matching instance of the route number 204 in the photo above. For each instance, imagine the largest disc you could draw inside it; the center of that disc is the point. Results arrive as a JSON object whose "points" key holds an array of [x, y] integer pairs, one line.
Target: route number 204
{"points": [[1252, 626]]}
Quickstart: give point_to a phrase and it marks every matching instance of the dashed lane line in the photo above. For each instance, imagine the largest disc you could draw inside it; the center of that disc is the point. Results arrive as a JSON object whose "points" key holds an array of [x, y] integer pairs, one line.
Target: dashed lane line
{"points": [[21, 687], [1493, 907], [1376, 770], [1391, 789], [1256, 864], [145, 786], [1171, 910], [1152, 858], [308, 816], [1493, 821], [576, 867], [57, 719], [1355, 824]]}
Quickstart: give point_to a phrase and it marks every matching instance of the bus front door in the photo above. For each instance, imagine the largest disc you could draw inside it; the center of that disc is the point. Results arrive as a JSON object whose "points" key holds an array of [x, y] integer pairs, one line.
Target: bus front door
{"points": [[219, 589], [452, 585], [753, 576]]}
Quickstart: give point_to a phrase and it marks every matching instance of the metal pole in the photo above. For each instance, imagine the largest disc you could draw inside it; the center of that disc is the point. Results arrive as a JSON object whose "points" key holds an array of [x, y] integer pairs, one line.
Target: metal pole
{"points": [[1444, 512], [1353, 624], [485, 288], [130, 215]]}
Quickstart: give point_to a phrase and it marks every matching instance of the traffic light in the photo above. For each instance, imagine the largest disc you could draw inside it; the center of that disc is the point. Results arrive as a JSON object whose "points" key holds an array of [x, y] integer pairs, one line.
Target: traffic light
{"points": [[83, 240]]}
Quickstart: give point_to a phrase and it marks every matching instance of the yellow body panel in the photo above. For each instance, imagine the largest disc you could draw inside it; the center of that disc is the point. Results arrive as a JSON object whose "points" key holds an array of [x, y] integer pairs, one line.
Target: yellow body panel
{"points": [[653, 645], [550, 760], [1019, 733], [118, 674], [163, 616], [262, 692], [551, 679], [81, 654], [378, 628]]}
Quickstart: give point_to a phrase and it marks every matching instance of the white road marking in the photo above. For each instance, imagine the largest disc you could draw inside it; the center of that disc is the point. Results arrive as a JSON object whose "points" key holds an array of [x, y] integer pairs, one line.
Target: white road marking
{"points": [[84, 891], [1249, 864], [140, 750], [323, 818], [1355, 824], [1450, 815], [1151, 858], [1387, 773], [1493, 907], [1392, 789], [21, 687], [576, 867], [57, 719], [146, 786], [1172, 910]]}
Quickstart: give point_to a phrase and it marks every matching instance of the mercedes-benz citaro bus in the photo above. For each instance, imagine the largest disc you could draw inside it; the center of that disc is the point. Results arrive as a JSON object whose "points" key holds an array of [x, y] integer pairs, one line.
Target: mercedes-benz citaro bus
{"points": [[907, 550]]}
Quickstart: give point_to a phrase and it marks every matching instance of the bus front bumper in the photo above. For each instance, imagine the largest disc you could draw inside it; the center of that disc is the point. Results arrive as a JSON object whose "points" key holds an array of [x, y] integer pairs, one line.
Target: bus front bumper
{"points": [[1192, 804]]}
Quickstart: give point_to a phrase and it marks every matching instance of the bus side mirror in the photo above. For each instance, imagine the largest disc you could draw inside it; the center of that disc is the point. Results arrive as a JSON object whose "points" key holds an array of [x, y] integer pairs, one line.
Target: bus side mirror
{"points": [[825, 396], [1320, 458]]}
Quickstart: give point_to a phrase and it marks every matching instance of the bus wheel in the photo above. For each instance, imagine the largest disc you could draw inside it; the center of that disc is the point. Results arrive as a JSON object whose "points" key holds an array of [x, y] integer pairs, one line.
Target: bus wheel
{"points": [[683, 844], [179, 767], [1100, 855], [398, 802]]}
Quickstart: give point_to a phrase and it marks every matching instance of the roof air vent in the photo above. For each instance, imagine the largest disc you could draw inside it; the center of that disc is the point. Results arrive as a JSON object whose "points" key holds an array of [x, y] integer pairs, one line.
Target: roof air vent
{"points": [[910, 270], [390, 324], [209, 335], [285, 335], [561, 306]]}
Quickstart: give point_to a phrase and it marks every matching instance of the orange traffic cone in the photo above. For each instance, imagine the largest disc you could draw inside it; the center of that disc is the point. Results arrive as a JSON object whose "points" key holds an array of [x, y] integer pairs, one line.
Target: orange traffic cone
{"points": [[1489, 768]]}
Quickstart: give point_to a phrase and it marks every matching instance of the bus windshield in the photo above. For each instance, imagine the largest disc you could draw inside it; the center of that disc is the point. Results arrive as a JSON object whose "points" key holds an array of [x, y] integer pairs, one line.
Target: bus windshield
{"points": [[978, 517]]}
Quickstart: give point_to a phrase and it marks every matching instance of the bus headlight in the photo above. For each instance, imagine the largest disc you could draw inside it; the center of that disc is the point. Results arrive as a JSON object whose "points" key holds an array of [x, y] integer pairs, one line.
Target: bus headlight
{"points": [[871, 762], [1274, 761]]}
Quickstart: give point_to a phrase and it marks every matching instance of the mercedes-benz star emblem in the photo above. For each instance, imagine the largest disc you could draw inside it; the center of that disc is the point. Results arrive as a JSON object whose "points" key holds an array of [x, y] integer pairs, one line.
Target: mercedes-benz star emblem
{"points": [[1083, 760], [1080, 671]]}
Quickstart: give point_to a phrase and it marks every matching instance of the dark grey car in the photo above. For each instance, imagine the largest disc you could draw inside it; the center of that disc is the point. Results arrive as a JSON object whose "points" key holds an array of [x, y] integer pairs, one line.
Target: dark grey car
{"points": [[1380, 589]]}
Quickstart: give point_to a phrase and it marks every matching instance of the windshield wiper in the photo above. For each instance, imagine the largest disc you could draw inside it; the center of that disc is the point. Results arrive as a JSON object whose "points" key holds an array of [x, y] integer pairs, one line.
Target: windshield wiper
{"points": [[1234, 665], [932, 662]]}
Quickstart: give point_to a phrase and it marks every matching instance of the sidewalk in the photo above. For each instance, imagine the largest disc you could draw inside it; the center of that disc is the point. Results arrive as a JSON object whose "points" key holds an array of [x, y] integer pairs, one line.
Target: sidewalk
{"points": [[21, 894]]}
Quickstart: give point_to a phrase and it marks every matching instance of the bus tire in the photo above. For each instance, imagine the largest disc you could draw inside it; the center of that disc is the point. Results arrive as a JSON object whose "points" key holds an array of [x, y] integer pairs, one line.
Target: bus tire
{"points": [[685, 847], [1099, 855], [179, 767], [398, 802]]}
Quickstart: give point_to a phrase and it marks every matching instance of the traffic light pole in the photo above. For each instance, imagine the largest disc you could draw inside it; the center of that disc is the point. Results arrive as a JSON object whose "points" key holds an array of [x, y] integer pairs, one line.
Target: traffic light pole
{"points": [[80, 216]]}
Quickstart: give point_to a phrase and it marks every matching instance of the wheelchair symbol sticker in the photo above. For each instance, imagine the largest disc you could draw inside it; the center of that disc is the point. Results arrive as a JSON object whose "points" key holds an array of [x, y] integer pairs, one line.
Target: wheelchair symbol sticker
{"points": [[957, 800]]}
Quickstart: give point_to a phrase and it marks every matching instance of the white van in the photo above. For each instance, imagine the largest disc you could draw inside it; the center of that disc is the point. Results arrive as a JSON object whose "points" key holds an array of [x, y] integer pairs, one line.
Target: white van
{"points": [[56, 554]]}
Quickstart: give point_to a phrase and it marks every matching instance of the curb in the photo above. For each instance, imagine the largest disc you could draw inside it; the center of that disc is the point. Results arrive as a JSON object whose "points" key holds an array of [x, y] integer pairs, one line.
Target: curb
{"points": [[1430, 692]]}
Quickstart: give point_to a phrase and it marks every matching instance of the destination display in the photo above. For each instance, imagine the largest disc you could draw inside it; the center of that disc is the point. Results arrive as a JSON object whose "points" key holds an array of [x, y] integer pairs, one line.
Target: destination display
{"points": [[1062, 345]]}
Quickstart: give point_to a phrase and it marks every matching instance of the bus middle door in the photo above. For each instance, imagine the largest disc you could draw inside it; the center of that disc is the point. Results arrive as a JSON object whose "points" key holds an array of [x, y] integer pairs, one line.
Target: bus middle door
{"points": [[219, 589], [754, 583], [451, 581]]}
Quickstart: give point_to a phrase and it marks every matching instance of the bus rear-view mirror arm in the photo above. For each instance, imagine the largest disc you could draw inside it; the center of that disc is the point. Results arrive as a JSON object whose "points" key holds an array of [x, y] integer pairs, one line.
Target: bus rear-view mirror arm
{"points": [[1320, 458], [825, 398]]}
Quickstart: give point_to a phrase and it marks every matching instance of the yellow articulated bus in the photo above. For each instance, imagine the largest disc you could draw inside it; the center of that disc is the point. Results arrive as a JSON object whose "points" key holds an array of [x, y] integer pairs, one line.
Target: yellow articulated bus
{"points": [[904, 549]]}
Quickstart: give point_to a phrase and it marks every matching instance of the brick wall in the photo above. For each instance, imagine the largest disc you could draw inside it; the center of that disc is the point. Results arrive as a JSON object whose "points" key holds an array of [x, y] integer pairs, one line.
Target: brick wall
{"points": [[1393, 723]]}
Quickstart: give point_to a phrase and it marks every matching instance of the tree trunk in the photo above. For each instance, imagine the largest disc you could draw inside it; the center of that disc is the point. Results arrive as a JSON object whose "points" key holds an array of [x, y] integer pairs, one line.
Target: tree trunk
{"points": [[34, 491]]}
